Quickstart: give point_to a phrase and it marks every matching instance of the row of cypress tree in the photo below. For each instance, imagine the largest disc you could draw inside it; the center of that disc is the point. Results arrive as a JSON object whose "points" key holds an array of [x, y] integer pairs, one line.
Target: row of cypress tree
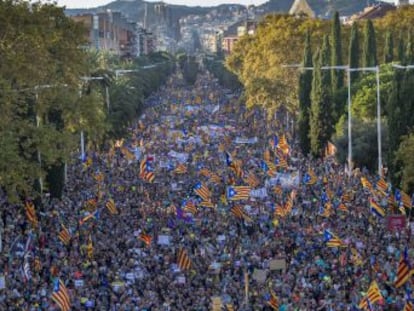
{"points": [[323, 96]]}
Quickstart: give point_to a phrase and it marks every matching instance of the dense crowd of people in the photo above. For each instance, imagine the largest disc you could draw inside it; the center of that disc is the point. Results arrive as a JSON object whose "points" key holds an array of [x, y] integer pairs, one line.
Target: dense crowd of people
{"points": [[164, 246]]}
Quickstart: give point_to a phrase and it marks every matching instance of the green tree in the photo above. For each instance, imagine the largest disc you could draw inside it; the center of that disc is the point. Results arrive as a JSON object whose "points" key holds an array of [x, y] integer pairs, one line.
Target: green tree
{"points": [[354, 52], [401, 50], [321, 110], [226, 78], [364, 142], [336, 55], [389, 48], [33, 90], [369, 51], [404, 156], [305, 88], [409, 51], [395, 117], [364, 101], [258, 60]]}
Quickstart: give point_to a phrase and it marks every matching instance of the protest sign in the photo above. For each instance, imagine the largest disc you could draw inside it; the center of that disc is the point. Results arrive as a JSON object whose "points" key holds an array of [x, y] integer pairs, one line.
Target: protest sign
{"points": [[259, 275], [277, 264], [2, 282], [163, 240], [217, 303]]}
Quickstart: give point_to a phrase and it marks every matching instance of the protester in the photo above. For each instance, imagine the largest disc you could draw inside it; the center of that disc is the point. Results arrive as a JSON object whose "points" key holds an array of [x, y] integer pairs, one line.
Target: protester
{"points": [[126, 257]]}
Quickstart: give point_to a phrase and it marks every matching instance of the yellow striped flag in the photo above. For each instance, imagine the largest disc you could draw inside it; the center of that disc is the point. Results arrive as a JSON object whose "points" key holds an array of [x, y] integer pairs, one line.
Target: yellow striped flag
{"points": [[235, 193], [283, 144], [37, 264], [190, 207], [238, 212], [281, 162], [373, 295], [310, 178], [409, 306], [60, 295], [236, 167], [382, 186], [332, 240], [252, 180], [181, 169], [202, 191], [99, 177], [183, 261], [404, 272], [31, 213], [342, 207], [110, 205], [376, 209], [64, 236], [279, 211], [266, 155], [278, 190], [366, 184], [273, 301], [215, 178], [89, 248], [208, 204], [90, 205], [146, 238], [346, 197], [205, 172]]}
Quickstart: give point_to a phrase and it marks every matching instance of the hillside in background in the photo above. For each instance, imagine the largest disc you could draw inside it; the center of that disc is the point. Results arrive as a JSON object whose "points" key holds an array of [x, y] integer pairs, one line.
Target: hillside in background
{"points": [[135, 9]]}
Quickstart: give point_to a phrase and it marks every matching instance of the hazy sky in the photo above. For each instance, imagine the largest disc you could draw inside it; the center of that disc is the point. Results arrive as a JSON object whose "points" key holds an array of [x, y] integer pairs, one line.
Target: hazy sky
{"points": [[94, 3]]}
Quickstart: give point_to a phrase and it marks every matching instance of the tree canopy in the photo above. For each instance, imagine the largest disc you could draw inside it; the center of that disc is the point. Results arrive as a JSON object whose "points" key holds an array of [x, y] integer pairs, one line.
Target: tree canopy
{"points": [[47, 102]]}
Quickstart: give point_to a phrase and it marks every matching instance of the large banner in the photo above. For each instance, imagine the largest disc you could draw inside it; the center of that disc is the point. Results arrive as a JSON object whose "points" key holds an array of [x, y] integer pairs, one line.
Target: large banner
{"points": [[286, 180], [181, 157], [258, 193], [240, 140]]}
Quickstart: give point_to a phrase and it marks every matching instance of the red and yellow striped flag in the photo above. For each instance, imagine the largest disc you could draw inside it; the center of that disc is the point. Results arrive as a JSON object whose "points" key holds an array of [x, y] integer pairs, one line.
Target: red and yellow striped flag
{"points": [[183, 261], [283, 144], [31, 213], [239, 213], [60, 296], [110, 205], [181, 169], [89, 248], [146, 238], [64, 236], [215, 178], [252, 180]]}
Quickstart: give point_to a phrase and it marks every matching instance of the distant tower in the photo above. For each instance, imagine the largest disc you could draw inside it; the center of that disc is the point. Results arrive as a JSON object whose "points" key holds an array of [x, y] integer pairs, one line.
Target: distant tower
{"points": [[161, 11], [301, 7], [146, 16], [401, 2]]}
